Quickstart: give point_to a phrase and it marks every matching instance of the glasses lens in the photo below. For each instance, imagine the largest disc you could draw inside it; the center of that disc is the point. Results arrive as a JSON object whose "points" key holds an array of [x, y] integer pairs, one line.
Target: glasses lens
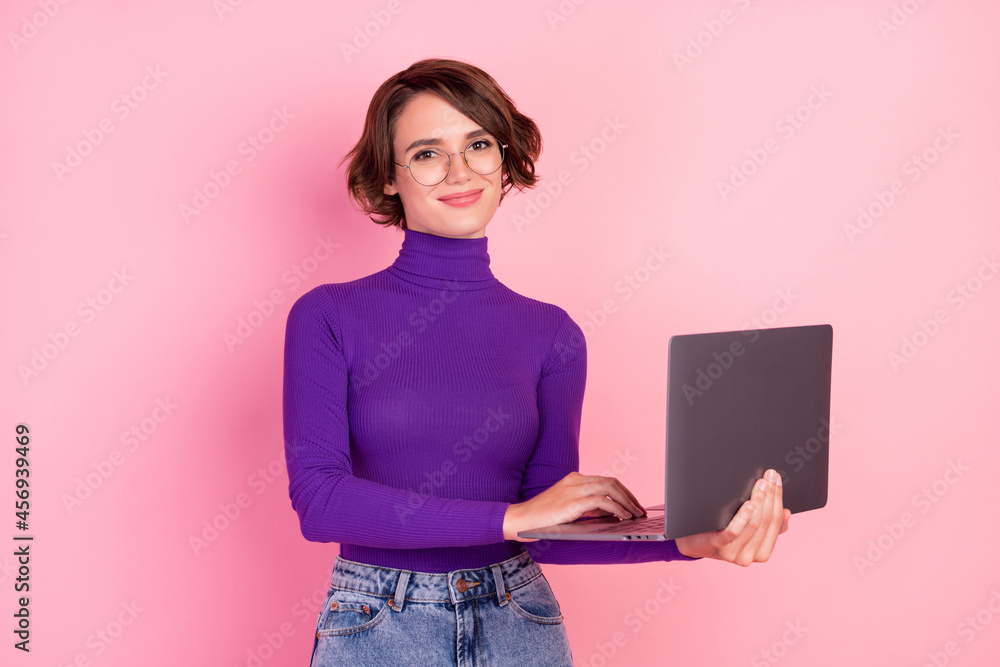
{"points": [[484, 156], [430, 166]]}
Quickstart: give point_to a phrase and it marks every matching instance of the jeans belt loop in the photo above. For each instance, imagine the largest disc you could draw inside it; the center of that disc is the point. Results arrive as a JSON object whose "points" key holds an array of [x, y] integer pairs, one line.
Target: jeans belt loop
{"points": [[498, 580], [400, 594]]}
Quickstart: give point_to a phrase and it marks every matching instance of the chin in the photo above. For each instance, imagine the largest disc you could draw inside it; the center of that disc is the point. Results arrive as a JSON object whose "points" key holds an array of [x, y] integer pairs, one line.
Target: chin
{"points": [[458, 230], [457, 227]]}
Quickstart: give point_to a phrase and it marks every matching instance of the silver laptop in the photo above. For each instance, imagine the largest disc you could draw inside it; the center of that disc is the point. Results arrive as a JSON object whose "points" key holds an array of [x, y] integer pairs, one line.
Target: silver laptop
{"points": [[738, 403]]}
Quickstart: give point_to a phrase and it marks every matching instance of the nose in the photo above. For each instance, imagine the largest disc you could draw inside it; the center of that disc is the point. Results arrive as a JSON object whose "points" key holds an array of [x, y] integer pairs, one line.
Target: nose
{"points": [[458, 169]]}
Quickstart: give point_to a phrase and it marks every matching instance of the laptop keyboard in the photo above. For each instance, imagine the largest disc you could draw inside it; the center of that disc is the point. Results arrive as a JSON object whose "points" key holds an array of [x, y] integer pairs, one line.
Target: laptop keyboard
{"points": [[644, 525]]}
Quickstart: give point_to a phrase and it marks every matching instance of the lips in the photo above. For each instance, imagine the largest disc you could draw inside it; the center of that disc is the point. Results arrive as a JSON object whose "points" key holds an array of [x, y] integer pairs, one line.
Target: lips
{"points": [[467, 198]]}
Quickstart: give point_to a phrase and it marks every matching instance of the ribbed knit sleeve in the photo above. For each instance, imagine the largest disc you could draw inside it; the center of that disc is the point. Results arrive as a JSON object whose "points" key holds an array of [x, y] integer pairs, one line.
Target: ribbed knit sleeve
{"points": [[332, 504], [560, 406]]}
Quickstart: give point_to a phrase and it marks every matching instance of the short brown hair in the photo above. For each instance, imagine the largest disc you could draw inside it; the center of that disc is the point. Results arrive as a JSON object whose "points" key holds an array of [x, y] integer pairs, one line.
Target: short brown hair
{"points": [[467, 88]]}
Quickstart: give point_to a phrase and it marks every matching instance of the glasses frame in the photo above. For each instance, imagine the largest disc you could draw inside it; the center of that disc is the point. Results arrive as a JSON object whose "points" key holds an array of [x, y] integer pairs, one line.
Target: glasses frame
{"points": [[503, 154]]}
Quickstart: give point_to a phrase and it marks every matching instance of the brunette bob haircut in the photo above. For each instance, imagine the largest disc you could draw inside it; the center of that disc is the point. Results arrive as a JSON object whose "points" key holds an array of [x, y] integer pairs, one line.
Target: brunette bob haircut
{"points": [[467, 88]]}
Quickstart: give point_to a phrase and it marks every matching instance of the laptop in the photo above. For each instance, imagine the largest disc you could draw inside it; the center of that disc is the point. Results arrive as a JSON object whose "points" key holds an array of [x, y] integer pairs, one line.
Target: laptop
{"points": [[738, 403]]}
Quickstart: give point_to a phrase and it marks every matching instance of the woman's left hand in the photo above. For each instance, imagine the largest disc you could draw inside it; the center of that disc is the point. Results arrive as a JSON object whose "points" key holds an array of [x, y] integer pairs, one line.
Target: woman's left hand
{"points": [[751, 535]]}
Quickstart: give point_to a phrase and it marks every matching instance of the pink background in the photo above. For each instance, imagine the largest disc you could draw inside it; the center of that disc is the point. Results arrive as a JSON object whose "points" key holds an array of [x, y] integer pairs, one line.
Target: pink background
{"points": [[883, 575]]}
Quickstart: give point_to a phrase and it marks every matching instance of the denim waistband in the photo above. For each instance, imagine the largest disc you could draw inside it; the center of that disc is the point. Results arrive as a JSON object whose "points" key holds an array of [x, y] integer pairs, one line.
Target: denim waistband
{"points": [[402, 586]]}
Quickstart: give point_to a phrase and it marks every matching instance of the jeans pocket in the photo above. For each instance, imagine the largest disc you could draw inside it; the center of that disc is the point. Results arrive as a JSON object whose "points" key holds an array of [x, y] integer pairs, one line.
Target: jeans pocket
{"points": [[348, 612], [536, 602]]}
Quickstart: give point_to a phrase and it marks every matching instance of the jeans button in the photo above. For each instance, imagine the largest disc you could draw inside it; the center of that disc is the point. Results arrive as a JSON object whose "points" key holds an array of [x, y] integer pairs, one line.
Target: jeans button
{"points": [[461, 585]]}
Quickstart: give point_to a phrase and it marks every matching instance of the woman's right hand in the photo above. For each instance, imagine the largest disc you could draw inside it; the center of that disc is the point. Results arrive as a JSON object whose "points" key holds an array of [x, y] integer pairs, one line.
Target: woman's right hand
{"points": [[572, 497]]}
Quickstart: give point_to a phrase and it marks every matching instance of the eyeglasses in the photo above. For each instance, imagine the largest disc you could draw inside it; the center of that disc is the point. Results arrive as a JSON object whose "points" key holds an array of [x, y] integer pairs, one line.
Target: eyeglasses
{"points": [[430, 166]]}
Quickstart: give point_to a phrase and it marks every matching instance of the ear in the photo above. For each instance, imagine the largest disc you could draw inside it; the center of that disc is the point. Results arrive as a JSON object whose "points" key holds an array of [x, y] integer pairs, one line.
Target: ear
{"points": [[389, 189]]}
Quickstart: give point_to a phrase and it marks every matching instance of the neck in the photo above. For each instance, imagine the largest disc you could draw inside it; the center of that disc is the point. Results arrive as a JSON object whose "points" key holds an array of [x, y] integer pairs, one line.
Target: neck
{"points": [[444, 261]]}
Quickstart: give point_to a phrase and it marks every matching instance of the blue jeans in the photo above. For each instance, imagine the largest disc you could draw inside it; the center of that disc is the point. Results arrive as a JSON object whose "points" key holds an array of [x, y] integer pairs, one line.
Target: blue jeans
{"points": [[504, 614]]}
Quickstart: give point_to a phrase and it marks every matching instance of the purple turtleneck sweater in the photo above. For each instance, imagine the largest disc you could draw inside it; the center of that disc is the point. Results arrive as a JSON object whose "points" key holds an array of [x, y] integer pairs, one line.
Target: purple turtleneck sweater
{"points": [[422, 400]]}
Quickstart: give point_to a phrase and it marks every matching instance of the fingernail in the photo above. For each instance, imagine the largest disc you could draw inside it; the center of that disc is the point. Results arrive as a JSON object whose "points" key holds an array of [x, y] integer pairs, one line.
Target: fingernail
{"points": [[777, 479]]}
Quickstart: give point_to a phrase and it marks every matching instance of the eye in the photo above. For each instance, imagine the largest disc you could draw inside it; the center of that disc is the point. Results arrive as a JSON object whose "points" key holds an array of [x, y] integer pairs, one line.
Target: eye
{"points": [[426, 155], [480, 145]]}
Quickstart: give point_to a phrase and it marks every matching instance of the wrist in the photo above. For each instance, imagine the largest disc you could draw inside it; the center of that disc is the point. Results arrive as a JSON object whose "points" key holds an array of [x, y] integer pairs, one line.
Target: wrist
{"points": [[680, 543], [510, 524], [687, 547]]}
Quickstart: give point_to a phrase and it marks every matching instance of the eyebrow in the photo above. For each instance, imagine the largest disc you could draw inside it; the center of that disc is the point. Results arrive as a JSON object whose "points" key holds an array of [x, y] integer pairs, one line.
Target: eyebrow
{"points": [[437, 142]]}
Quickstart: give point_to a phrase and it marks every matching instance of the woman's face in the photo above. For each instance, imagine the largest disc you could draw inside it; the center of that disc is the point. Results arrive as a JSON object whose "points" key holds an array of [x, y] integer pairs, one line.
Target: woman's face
{"points": [[432, 121]]}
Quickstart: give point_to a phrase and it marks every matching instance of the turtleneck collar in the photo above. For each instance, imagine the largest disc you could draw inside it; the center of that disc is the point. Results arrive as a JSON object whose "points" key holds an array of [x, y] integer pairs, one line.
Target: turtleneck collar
{"points": [[443, 261]]}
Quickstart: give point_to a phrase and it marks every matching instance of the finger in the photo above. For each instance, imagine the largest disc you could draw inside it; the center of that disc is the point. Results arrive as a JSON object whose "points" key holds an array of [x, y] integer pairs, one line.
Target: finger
{"points": [[777, 520], [756, 542], [616, 491], [725, 540], [754, 508], [787, 517], [758, 549], [631, 497], [601, 502]]}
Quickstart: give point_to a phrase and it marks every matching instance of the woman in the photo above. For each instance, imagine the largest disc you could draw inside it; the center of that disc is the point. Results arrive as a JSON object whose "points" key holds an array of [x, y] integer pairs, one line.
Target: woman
{"points": [[431, 413]]}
